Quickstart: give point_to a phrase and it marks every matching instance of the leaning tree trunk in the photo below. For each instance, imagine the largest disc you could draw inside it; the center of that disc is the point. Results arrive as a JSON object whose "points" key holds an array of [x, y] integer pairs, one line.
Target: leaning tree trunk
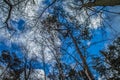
{"points": [[85, 65], [102, 3]]}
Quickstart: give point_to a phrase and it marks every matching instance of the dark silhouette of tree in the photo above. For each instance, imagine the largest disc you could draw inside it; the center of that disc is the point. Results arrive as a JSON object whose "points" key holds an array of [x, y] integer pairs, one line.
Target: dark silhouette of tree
{"points": [[59, 22], [108, 65], [15, 68], [102, 3]]}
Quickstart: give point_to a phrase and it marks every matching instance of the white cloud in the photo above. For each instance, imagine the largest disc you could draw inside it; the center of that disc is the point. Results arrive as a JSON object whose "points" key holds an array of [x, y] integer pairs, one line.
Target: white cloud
{"points": [[88, 43], [95, 22], [38, 74], [32, 38], [82, 15]]}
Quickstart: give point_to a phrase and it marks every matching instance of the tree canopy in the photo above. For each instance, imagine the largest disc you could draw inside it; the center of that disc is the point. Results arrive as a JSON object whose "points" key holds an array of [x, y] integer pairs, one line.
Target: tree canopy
{"points": [[67, 38]]}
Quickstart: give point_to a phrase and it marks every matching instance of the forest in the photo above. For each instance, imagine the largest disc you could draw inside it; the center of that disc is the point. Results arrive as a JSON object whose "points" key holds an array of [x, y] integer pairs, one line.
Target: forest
{"points": [[59, 39]]}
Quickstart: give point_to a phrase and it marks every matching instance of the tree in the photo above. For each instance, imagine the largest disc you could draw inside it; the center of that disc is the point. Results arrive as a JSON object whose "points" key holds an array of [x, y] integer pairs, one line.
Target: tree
{"points": [[45, 27], [102, 3], [23, 19], [70, 21], [15, 68], [108, 64]]}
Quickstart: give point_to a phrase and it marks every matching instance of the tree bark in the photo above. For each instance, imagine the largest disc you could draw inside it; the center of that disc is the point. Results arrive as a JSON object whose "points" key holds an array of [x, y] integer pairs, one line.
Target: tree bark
{"points": [[85, 65], [102, 3]]}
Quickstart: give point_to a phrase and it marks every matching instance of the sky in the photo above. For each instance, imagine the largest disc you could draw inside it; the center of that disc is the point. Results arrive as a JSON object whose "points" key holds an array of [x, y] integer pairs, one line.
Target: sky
{"points": [[26, 38]]}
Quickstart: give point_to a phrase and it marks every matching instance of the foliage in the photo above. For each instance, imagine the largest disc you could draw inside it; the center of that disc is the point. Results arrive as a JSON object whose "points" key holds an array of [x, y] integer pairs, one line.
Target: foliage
{"points": [[57, 33], [109, 64]]}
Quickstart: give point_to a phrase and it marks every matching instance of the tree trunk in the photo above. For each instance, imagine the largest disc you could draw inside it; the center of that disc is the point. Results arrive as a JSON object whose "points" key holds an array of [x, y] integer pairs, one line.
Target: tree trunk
{"points": [[102, 3], [85, 65]]}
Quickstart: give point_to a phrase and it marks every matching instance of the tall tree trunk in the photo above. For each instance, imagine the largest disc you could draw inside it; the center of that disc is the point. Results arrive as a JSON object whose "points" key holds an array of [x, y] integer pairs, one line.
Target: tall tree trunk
{"points": [[85, 65], [102, 3]]}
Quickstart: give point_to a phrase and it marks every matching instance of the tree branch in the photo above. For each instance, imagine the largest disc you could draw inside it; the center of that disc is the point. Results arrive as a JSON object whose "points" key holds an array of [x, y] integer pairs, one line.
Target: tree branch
{"points": [[102, 3], [9, 13]]}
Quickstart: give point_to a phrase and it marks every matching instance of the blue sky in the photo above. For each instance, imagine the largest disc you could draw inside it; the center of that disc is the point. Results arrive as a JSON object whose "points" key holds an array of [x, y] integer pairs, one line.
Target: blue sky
{"points": [[99, 34]]}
